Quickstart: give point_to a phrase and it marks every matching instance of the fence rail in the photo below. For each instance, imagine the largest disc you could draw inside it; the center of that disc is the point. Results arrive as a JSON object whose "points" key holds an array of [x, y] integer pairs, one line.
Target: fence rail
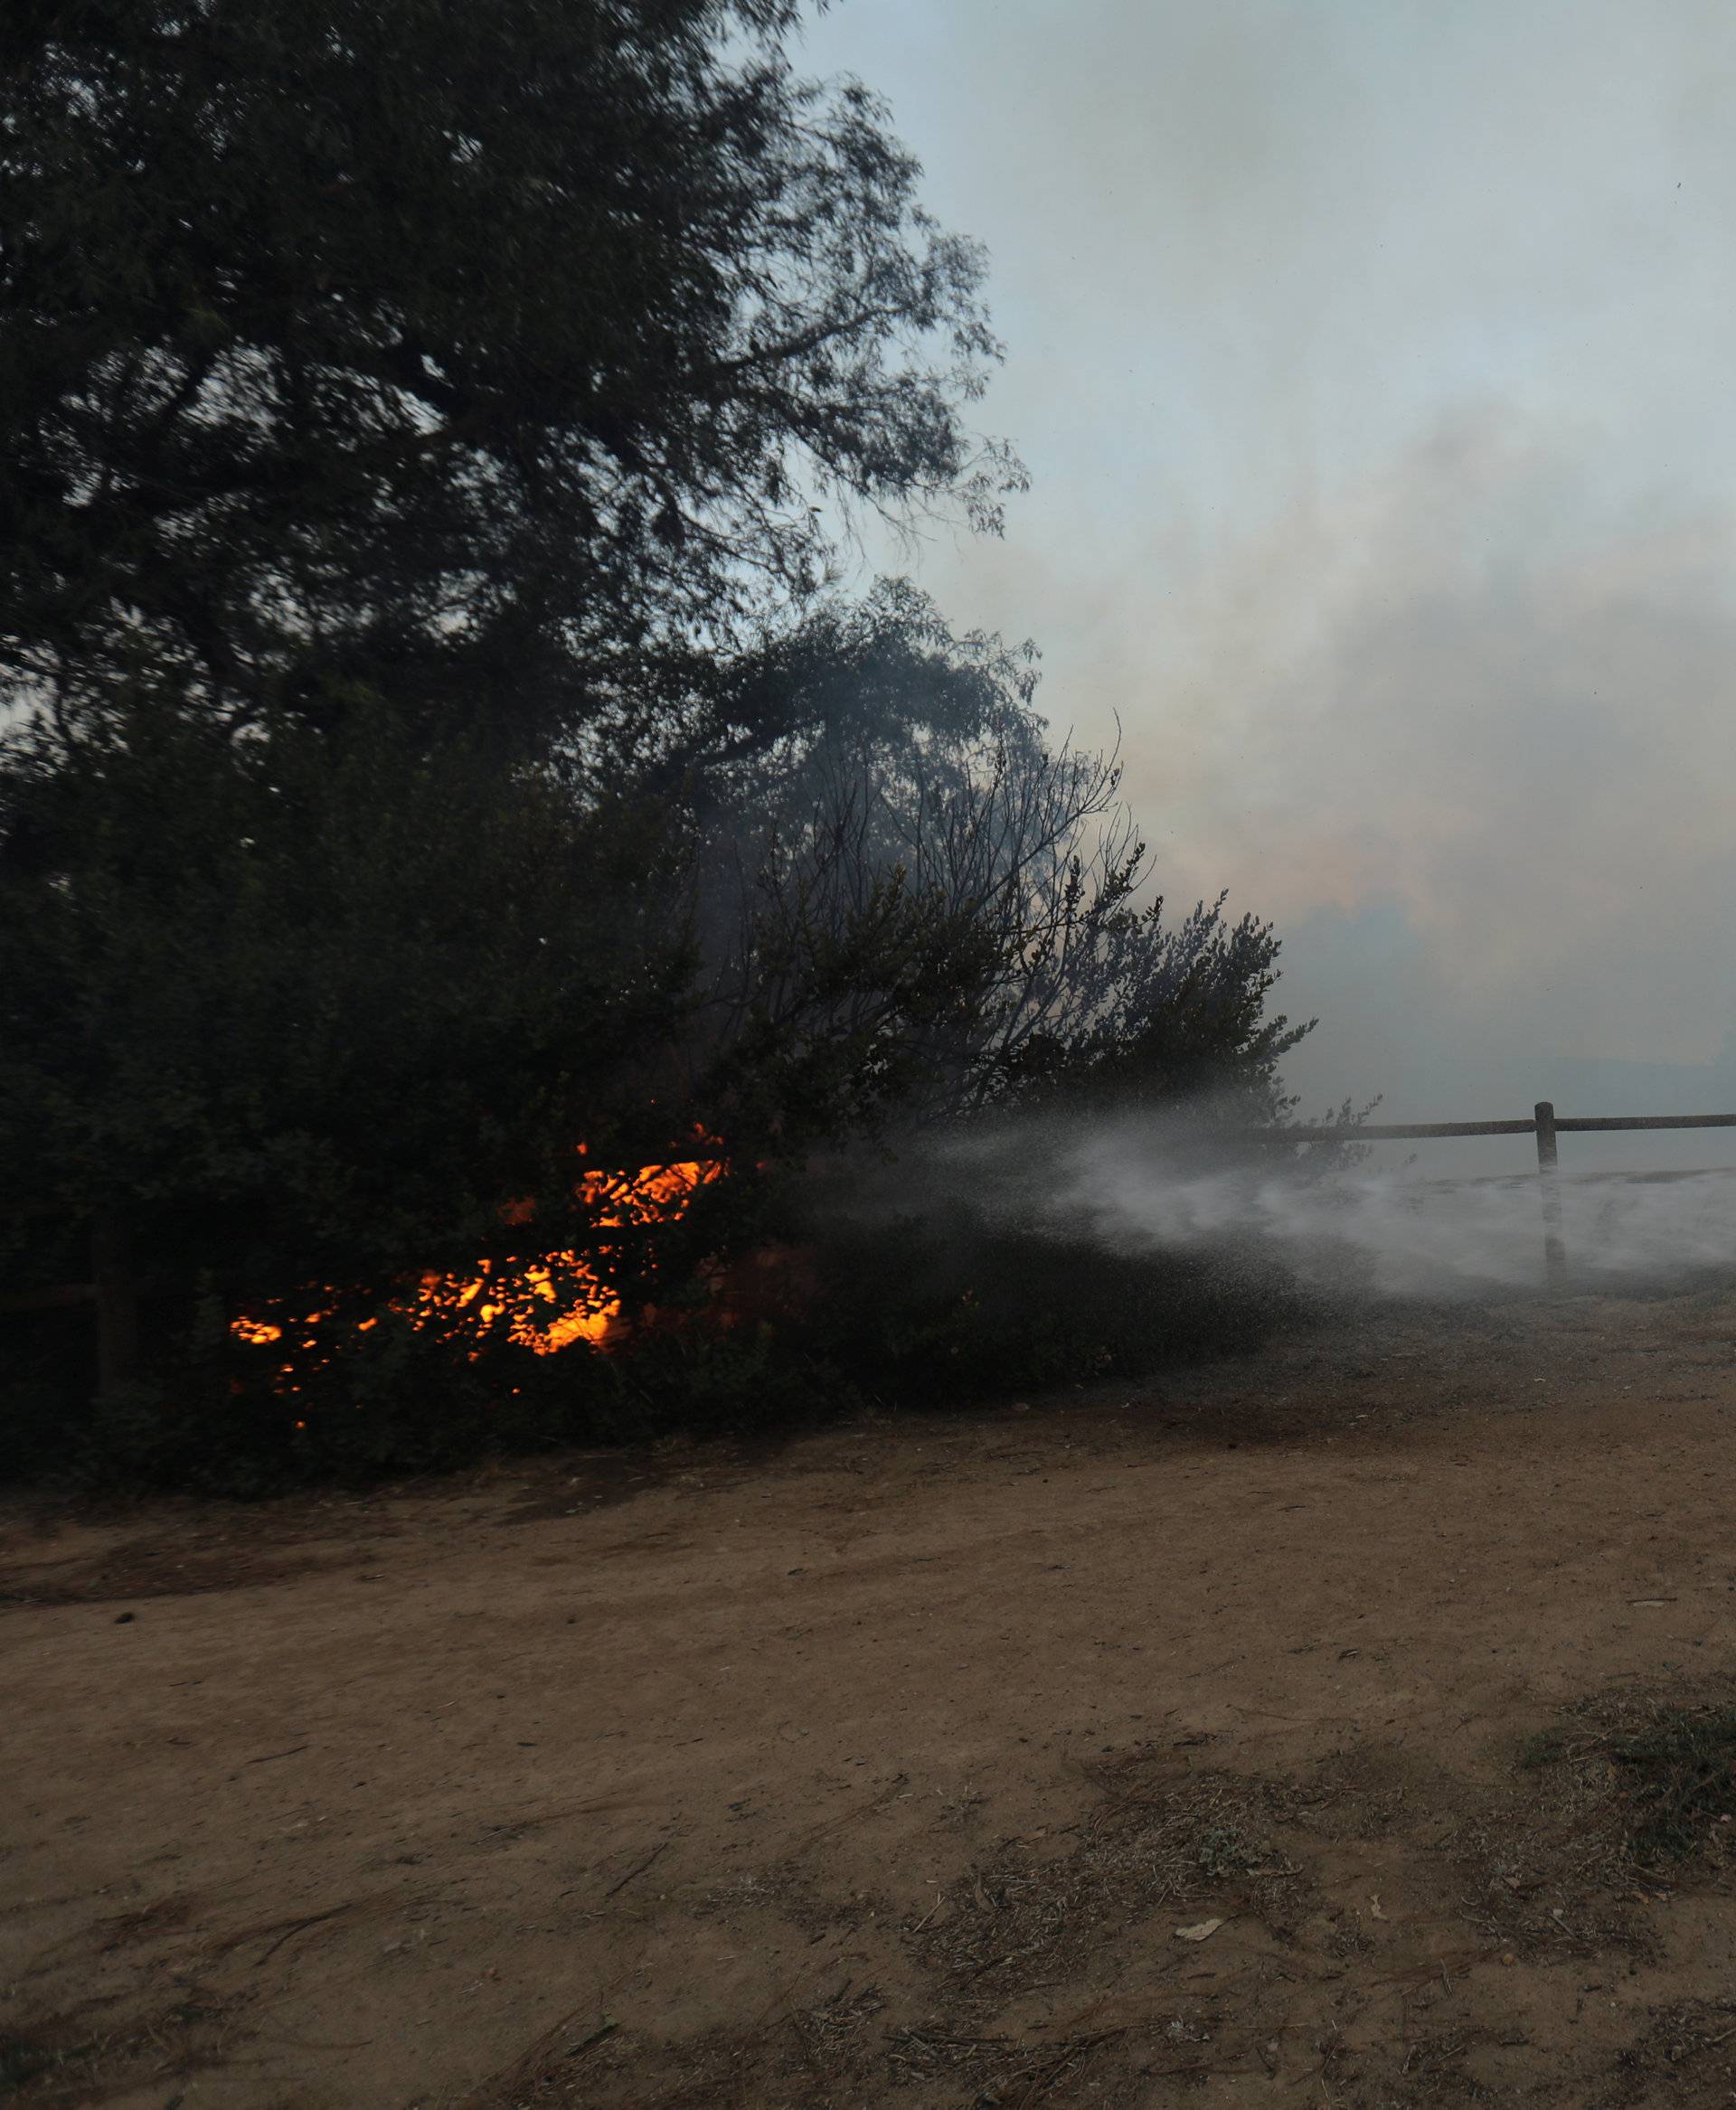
{"points": [[1419, 1131], [1546, 1125]]}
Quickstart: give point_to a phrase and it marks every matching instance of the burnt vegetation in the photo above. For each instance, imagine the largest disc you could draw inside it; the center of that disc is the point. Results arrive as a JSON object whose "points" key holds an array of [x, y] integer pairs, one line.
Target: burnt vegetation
{"points": [[438, 733]]}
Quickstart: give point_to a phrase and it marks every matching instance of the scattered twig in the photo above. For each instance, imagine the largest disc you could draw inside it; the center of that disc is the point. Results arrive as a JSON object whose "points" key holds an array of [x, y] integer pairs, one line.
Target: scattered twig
{"points": [[606, 2028], [297, 1926], [994, 1963], [639, 1870], [266, 1757], [1045, 2077], [850, 1816]]}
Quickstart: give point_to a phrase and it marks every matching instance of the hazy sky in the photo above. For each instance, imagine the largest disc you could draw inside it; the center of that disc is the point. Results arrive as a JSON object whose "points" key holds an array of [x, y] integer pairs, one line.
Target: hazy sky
{"points": [[1375, 362]]}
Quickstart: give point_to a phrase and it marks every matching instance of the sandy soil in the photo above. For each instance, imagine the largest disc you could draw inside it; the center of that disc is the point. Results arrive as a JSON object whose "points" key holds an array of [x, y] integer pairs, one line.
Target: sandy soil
{"points": [[886, 1766]]}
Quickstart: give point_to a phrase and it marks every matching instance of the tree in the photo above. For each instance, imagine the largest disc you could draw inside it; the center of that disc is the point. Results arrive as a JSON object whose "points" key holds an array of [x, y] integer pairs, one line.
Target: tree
{"points": [[469, 357], [428, 432], [417, 420], [911, 778]]}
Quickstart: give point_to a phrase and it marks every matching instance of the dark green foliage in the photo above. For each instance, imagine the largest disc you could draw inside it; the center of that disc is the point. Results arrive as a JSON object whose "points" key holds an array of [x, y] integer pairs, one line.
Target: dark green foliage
{"points": [[46, 1378], [905, 1321], [397, 1400], [742, 1382], [472, 354], [416, 421], [878, 692], [932, 1310], [1159, 1013], [847, 982], [885, 789], [313, 1006], [401, 1400]]}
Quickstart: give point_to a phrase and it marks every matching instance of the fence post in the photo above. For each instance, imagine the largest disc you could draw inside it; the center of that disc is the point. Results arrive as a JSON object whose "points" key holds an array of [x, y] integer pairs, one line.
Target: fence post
{"points": [[1554, 1250]]}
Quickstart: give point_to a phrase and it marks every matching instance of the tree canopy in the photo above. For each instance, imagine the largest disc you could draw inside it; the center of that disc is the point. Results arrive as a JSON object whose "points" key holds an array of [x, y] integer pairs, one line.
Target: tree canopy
{"points": [[316, 1005], [462, 355]]}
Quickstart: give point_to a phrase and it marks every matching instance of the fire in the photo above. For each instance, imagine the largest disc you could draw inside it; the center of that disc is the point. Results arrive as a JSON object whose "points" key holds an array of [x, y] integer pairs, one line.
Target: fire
{"points": [[584, 1307]]}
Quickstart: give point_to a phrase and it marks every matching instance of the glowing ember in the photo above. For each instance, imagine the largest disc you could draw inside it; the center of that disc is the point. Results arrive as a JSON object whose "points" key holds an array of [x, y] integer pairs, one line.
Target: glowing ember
{"points": [[585, 1308]]}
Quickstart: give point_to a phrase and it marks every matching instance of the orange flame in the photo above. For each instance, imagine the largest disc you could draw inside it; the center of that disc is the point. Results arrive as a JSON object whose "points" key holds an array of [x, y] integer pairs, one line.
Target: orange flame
{"points": [[590, 1309]]}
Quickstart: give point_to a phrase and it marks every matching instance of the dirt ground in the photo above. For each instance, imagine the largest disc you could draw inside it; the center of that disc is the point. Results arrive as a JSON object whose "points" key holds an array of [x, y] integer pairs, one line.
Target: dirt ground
{"points": [[1245, 1738]]}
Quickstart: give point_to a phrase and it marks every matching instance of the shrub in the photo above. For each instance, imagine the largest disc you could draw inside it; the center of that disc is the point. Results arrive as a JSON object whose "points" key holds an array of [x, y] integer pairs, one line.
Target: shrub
{"points": [[929, 1310]]}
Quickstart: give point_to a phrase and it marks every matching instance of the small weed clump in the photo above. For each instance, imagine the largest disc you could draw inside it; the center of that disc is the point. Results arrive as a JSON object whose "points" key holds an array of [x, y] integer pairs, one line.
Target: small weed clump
{"points": [[1661, 1772], [1682, 1765]]}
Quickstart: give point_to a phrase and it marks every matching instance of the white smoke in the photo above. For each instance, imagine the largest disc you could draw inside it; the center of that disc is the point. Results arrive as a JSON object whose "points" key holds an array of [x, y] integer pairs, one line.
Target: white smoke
{"points": [[1391, 1233]]}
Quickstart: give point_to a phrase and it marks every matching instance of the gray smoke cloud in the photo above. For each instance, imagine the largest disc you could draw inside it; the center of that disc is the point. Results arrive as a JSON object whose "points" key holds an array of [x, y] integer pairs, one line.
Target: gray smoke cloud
{"points": [[1372, 360]]}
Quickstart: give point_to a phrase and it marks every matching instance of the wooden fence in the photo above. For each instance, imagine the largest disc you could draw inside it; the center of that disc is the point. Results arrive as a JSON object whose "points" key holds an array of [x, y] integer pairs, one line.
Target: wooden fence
{"points": [[1546, 1125]]}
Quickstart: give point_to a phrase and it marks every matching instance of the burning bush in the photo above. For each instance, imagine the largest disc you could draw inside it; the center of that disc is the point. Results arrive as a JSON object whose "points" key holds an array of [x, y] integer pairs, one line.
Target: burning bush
{"points": [[541, 1300]]}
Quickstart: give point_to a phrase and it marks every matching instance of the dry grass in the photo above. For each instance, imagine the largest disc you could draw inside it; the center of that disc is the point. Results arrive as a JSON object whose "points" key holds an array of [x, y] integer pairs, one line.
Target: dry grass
{"points": [[1552, 1872], [1039, 1910], [1688, 2052], [1649, 1773], [76, 2060]]}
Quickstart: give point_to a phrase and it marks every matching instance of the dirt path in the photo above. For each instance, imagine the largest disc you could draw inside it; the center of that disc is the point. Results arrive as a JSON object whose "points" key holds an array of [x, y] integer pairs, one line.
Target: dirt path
{"points": [[886, 1769]]}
